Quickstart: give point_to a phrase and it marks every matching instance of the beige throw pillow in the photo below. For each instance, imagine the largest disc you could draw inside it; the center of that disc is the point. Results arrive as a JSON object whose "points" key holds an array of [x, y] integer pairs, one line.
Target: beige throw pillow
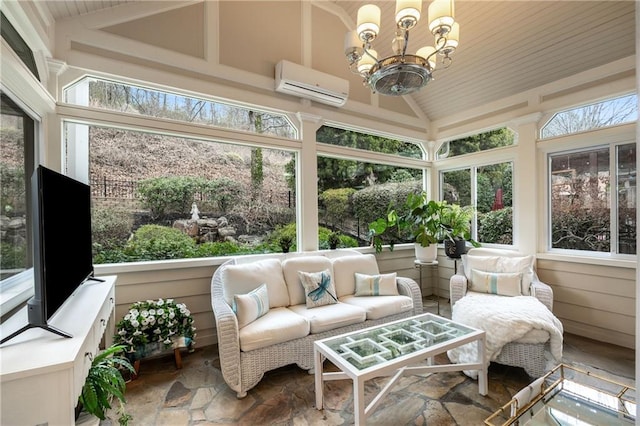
{"points": [[251, 306], [376, 285], [502, 283]]}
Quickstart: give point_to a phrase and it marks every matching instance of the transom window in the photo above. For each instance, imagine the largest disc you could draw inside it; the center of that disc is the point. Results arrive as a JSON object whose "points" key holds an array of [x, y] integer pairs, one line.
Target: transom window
{"points": [[118, 96], [607, 113], [368, 142], [476, 143]]}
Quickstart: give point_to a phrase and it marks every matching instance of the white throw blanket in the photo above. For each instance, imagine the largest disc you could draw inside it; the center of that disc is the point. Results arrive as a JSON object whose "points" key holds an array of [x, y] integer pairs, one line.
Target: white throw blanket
{"points": [[505, 319]]}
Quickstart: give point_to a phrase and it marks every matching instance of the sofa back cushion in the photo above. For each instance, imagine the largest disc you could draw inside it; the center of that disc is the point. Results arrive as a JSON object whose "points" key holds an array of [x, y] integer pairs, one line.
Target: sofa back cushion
{"points": [[290, 268], [245, 277], [345, 268]]}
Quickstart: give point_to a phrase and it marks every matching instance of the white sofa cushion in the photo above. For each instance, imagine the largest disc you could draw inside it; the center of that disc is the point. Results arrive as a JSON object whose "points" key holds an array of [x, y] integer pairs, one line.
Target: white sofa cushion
{"points": [[244, 277], [329, 317], [345, 268], [251, 306], [376, 285], [276, 326], [380, 306], [290, 269]]}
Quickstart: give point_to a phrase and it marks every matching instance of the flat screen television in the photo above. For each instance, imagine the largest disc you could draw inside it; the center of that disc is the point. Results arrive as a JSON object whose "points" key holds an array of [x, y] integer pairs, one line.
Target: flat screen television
{"points": [[62, 256]]}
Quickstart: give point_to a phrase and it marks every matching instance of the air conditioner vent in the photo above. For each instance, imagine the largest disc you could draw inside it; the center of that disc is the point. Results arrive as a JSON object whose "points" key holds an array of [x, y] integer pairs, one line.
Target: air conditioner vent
{"points": [[294, 79]]}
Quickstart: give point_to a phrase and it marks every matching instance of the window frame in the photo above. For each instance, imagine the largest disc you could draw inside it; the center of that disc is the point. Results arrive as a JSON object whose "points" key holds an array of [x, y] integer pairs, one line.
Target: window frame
{"points": [[609, 137]]}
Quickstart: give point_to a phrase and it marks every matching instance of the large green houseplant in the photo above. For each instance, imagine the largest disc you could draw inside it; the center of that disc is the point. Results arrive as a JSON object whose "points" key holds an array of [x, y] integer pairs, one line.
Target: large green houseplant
{"points": [[104, 383], [456, 223], [419, 219]]}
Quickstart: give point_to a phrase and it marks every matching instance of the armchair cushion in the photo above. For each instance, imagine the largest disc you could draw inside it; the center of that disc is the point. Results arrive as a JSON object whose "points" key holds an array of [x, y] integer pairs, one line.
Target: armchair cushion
{"points": [[502, 283]]}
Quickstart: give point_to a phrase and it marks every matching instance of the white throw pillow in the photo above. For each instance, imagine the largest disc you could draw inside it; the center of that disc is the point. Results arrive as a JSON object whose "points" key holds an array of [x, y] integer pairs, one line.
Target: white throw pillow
{"points": [[251, 306], [318, 288], [376, 285], [502, 283], [345, 267]]}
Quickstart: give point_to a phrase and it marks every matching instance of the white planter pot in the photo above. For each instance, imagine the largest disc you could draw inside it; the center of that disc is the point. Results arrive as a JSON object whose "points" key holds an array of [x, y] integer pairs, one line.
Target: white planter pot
{"points": [[426, 254]]}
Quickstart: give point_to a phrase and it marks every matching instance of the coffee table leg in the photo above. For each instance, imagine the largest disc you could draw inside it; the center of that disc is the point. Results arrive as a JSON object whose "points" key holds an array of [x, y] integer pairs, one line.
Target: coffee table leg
{"points": [[317, 363], [482, 373], [358, 402]]}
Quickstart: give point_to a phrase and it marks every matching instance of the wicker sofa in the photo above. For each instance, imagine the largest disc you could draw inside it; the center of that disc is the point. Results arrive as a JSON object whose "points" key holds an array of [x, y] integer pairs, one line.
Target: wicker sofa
{"points": [[285, 334], [529, 350]]}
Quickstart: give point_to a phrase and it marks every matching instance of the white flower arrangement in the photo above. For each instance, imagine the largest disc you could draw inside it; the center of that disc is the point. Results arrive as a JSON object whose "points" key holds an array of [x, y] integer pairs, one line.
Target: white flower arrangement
{"points": [[155, 321]]}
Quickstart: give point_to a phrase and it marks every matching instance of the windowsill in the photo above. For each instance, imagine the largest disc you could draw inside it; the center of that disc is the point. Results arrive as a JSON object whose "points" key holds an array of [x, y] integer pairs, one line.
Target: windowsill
{"points": [[16, 291], [591, 260]]}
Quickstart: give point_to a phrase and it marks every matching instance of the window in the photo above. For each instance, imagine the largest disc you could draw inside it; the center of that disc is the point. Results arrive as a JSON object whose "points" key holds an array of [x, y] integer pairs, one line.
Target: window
{"points": [[594, 116], [17, 143], [196, 192], [585, 214], [368, 142], [115, 96], [477, 143], [355, 189], [489, 189], [158, 197]]}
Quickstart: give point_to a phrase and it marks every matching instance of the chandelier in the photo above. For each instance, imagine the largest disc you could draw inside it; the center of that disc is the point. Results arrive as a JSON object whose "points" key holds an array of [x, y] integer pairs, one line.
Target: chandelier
{"points": [[402, 72]]}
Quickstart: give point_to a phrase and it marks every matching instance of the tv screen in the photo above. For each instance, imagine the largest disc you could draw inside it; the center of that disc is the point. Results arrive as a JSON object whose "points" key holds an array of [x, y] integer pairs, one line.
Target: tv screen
{"points": [[64, 258]]}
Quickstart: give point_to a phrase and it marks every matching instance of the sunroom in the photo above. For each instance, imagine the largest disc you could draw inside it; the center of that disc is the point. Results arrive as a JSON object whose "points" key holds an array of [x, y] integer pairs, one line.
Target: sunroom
{"points": [[534, 97]]}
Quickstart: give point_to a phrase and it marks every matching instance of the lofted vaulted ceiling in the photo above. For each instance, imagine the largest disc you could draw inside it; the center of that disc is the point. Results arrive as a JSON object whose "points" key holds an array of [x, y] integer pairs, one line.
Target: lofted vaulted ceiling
{"points": [[506, 47]]}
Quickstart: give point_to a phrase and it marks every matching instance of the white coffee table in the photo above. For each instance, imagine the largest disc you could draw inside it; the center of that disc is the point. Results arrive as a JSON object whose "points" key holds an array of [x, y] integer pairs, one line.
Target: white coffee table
{"points": [[394, 349]]}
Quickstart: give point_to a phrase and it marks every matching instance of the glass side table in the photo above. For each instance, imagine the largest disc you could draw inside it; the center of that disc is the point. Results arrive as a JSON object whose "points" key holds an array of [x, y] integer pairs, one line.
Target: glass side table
{"points": [[436, 290], [569, 396]]}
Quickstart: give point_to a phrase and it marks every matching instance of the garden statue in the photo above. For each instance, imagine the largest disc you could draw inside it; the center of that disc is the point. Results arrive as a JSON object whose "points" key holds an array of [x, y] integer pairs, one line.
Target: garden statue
{"points": [[194, 212]]}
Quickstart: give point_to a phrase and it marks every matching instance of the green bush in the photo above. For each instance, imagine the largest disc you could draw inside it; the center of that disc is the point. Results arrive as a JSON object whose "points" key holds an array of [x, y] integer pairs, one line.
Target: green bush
{"points": [[110, 228], [13, 256], [155, 242], [224, 193], [12, 190], [337, 204], [496, 226], [173, 194], [374, 201]]}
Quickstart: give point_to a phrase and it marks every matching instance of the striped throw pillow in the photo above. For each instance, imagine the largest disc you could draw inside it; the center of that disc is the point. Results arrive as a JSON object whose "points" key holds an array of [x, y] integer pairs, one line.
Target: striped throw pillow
{"points": [[376, 285], [502, 283], [251, 306]]}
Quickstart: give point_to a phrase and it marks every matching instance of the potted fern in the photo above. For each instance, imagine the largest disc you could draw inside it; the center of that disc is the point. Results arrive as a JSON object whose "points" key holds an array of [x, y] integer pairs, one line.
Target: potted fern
{"points": [[456, 221], [104, 383]]}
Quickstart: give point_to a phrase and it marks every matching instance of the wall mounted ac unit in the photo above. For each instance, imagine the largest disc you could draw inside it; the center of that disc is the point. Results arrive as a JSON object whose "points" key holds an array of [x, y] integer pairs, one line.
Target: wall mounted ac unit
{"points": [[297, 80]]}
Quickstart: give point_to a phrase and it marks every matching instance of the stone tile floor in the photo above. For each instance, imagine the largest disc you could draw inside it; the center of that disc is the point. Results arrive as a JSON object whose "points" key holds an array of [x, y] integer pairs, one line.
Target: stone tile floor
{"points": [[197, 394]]}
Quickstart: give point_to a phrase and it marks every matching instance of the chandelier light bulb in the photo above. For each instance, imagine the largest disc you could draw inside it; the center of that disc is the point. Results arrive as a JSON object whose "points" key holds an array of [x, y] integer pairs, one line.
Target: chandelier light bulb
{"points": [[428, 53], [368, 60], [452, 39], [368, 22], [441, 16], [352, 46], [408, 13]]}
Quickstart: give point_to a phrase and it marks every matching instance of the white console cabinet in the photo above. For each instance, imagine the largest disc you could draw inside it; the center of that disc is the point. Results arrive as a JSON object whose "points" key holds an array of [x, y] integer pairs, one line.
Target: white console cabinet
{"points": [[41, 373]]}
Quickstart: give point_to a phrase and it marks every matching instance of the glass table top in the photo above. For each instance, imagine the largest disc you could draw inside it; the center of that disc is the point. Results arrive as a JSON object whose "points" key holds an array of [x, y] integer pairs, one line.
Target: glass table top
{"points": [[571, 396], [377, 345]]}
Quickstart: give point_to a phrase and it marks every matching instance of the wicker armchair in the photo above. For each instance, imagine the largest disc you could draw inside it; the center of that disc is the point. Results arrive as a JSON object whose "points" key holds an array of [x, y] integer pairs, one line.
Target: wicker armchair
{"points": [[530, 356]]}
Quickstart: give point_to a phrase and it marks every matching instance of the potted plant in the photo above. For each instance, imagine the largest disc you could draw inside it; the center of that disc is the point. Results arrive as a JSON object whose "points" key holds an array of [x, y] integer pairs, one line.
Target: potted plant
{"points": [[104, 383], [153, 326], [334, 240], [419, 219], [456, 221]]}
